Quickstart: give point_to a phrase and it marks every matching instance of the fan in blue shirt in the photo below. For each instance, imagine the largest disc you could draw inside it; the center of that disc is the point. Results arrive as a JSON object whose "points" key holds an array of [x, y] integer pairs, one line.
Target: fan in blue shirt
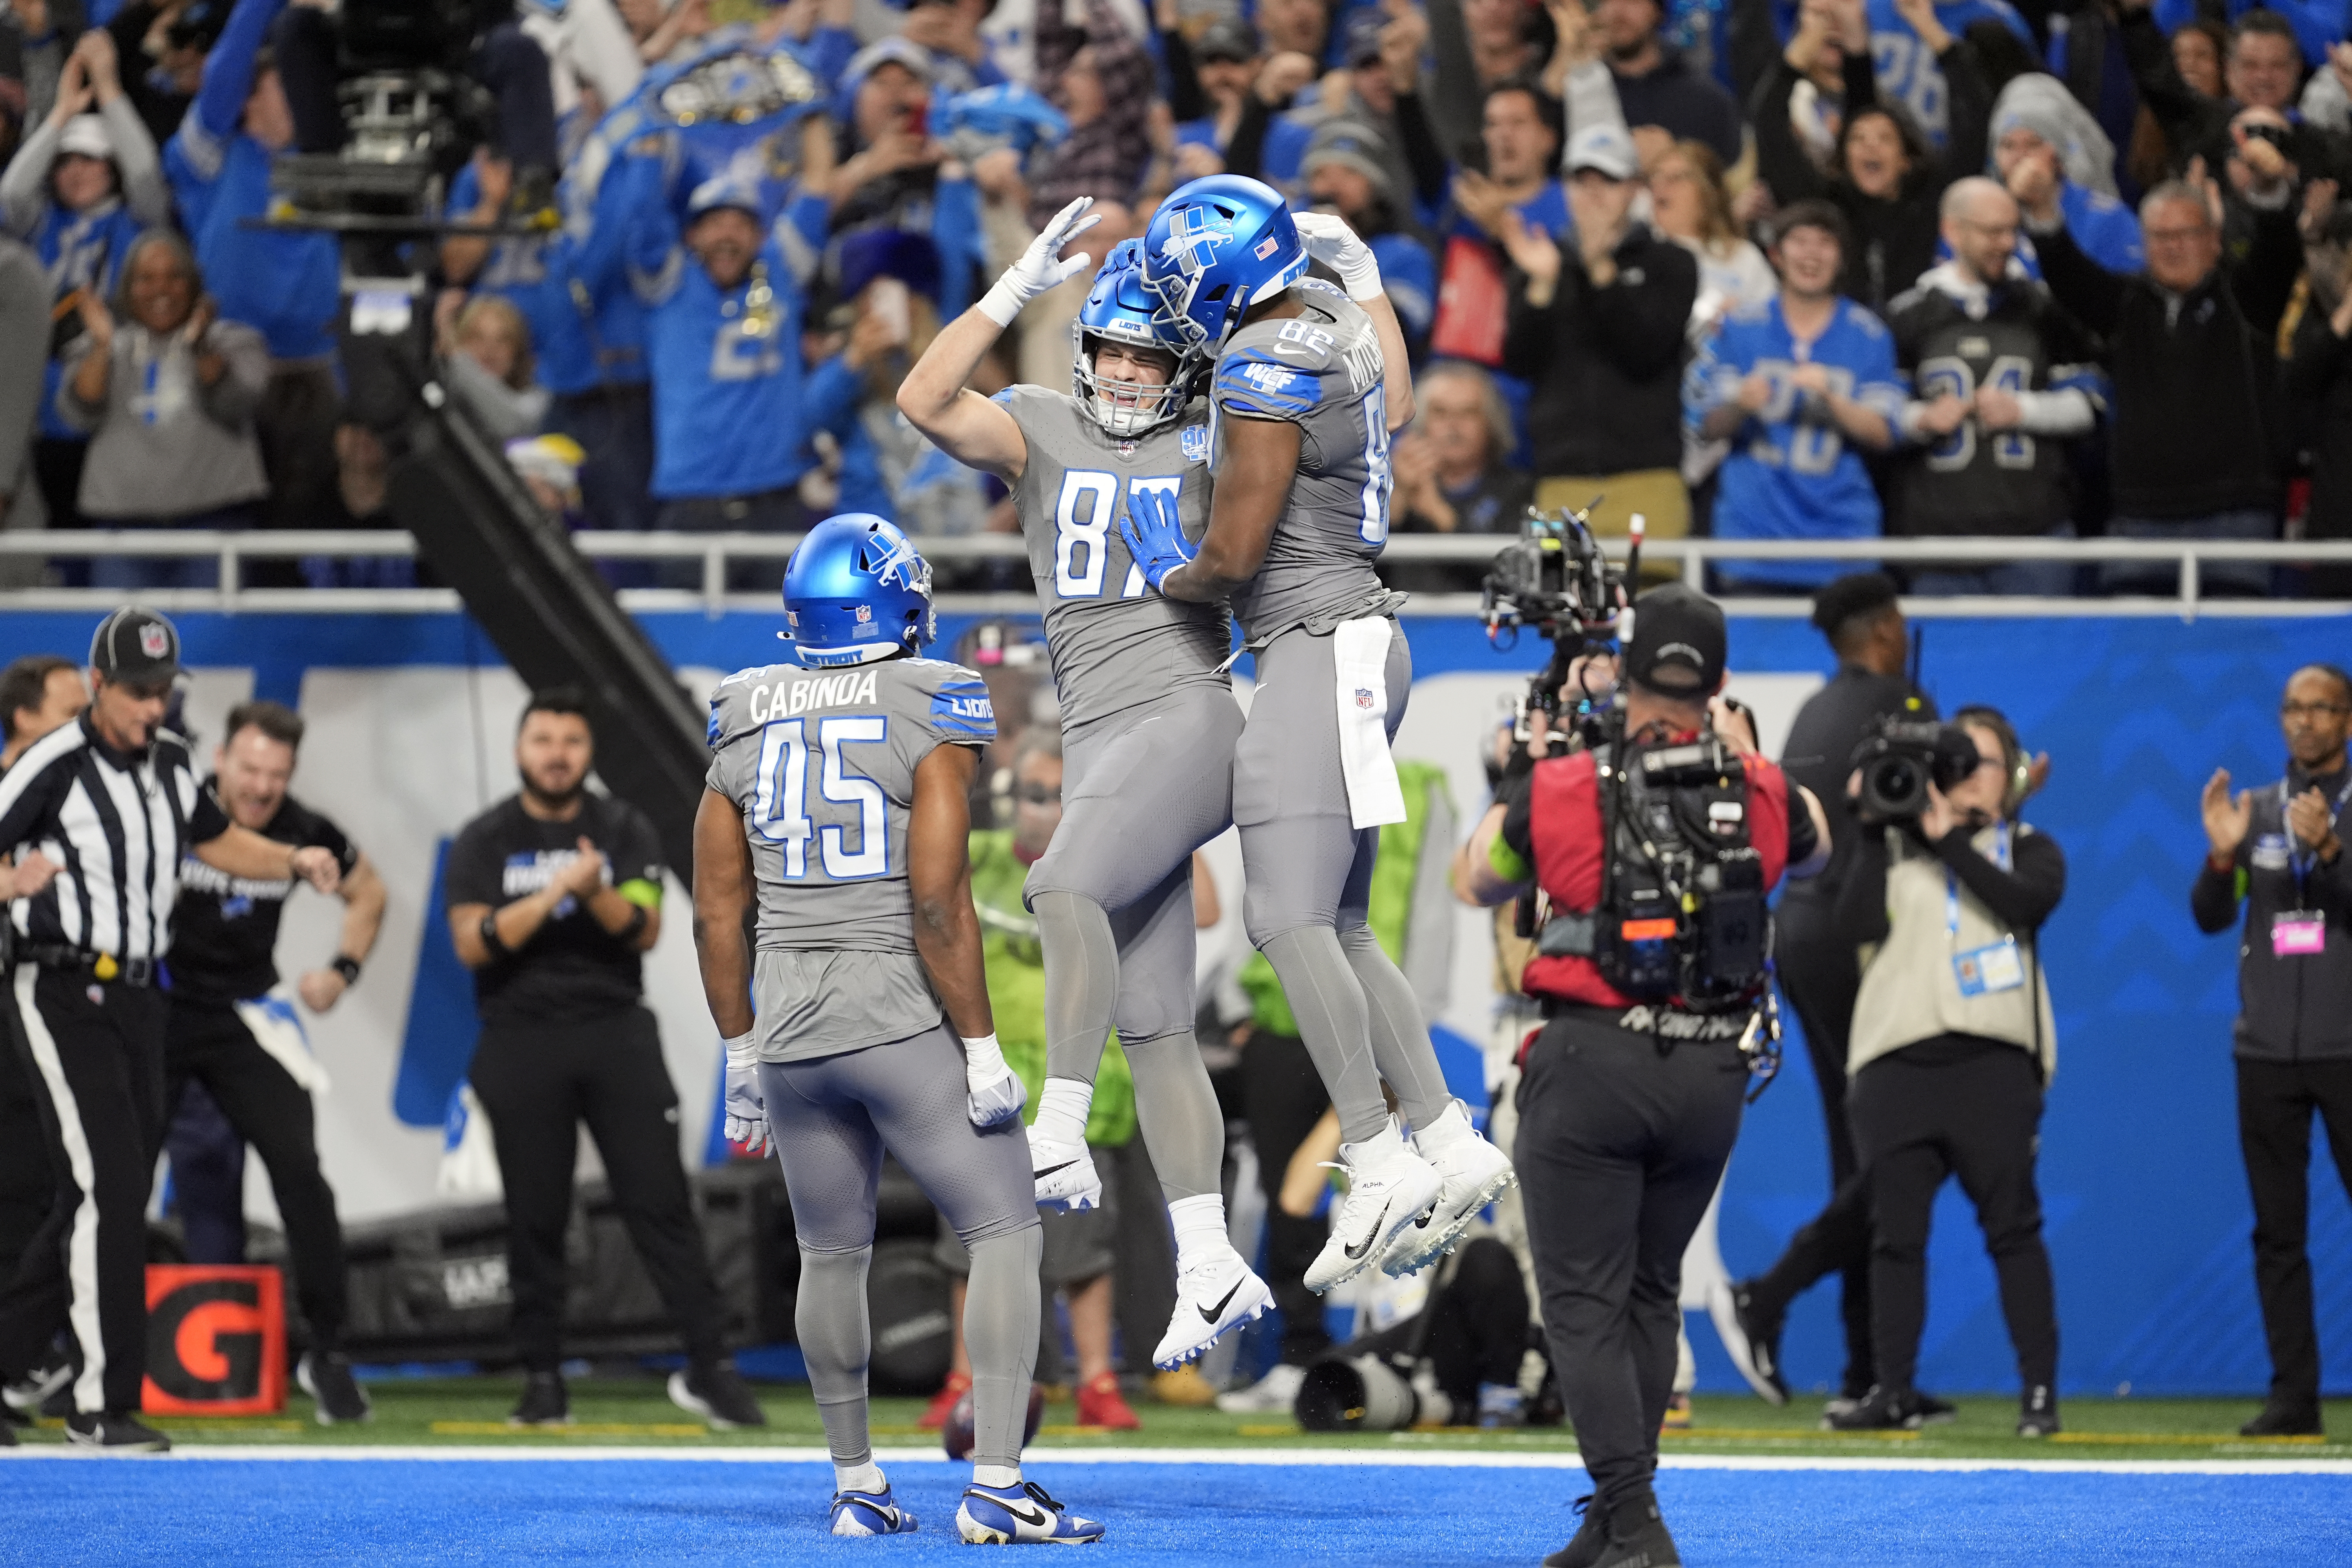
{"points": [[286, 285], [1796, 384], [731, 405], [1907, 71]]}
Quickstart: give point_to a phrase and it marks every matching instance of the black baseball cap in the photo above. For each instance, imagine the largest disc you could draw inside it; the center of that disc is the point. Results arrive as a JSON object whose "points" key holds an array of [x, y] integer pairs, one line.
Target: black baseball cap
{"points": [[1226, 38], [135, 647], [1680, 641]]}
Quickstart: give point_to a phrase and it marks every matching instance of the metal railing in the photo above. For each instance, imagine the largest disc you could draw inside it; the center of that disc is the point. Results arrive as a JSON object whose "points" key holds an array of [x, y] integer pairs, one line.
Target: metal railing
{"points": [[714, 554]]}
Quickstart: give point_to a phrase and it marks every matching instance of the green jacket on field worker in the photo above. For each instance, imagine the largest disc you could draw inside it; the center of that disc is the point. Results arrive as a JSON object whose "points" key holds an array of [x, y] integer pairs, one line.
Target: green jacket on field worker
{"points": [[1016, 991]]}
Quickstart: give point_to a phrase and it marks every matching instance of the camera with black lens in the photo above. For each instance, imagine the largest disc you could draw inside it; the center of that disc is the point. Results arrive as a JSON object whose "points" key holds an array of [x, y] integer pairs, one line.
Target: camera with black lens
{"points": [[1556, 581], [1901, 758]]}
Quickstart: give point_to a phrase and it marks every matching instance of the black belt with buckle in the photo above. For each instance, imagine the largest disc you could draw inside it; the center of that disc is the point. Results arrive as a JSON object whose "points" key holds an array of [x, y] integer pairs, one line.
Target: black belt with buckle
{"points": [[102, 966]]}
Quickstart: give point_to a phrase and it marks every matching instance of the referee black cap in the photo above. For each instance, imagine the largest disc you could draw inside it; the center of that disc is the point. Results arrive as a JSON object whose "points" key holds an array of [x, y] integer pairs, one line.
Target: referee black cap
{"points": [[135, 647], [1680, 642], [1855, 593]]}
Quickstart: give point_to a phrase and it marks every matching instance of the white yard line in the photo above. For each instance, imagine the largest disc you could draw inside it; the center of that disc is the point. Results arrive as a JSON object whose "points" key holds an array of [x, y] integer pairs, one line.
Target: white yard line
{"points": [[1380, 1456]]}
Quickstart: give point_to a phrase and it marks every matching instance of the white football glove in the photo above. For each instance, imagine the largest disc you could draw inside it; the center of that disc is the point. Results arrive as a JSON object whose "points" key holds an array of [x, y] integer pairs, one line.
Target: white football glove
{"points": [[1040, 266], [747, 1112], [1331, 241], [997, 1094]]}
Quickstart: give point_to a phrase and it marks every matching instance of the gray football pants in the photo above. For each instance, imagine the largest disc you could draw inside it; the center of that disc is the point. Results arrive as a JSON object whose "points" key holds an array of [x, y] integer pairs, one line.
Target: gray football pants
{"points": [[1113, 897], [832, 1118], [1307, 875]]}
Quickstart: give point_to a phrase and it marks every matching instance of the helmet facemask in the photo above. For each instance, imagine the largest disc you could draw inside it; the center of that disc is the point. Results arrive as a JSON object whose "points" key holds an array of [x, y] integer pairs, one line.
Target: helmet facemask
{"points": [[1127, 409]]}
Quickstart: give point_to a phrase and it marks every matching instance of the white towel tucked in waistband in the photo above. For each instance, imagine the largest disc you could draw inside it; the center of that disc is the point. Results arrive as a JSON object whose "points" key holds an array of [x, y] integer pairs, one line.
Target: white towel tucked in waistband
{"points": [[1359, 651]]}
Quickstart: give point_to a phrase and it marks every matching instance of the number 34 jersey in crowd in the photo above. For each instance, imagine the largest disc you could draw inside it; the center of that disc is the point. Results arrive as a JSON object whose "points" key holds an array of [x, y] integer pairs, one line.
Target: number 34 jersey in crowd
{"points": [[1114, 643]]}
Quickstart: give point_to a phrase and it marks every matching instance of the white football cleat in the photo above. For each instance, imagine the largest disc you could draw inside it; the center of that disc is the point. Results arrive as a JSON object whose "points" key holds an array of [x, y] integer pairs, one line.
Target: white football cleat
{"points": [[1389, 1187], [1277, 1391], [870, 1513], [1475, 1173], [1004, 1515], [1214, 1297], [1064, 1174]]}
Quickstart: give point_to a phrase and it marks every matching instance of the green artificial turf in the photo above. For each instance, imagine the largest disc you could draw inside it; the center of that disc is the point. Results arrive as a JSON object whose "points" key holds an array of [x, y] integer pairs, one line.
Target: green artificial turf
{"points": [[632, 1410]]}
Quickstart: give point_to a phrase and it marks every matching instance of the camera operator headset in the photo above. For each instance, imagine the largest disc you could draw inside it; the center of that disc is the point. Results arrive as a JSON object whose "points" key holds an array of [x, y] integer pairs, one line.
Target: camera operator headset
{"points": [[1652, 854], [1953, 1041]]}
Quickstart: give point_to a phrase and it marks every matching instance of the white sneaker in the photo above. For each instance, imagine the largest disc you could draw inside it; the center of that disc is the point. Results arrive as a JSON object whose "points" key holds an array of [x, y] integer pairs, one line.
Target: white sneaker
{"points": [[1214, 1297], [1064, 1174], [1274, 1394], [1475, 1172], [1389, 1187]]}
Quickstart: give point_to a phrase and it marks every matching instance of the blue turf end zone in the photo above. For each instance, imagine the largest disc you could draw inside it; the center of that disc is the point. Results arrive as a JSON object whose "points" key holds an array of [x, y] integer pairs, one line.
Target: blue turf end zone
{"points": [[505, 1511]]}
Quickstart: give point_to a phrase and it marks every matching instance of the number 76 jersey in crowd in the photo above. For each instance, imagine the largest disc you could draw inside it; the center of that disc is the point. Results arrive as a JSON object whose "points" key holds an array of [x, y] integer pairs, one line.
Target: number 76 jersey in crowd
{"points": [[1114, 643], [822, 763]]}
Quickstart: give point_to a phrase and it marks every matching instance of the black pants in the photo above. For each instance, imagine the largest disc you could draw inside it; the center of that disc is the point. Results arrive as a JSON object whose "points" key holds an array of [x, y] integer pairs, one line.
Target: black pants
{"points": [[209, 1044], [1477, 1330], [537, 1085], [1941, 1109], [1618, 1151], [26, 1182], [207, 1157], [1284, 1098], [1820, 976], [2275, 1101], [98, 1078]]}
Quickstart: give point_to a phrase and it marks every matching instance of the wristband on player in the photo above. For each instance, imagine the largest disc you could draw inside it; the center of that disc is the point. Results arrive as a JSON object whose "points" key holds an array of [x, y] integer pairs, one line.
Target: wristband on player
{"points": [[742, 1051], [636, 927], [984, 1061], [347, 966], [491, 937]]}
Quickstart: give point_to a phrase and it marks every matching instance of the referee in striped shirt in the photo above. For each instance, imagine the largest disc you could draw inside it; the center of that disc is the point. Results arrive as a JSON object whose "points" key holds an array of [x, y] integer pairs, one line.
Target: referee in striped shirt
{"points": [[98, 813]]}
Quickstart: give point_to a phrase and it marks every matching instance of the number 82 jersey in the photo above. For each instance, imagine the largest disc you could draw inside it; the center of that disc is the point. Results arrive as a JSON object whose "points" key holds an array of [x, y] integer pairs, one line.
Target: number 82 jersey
{"points": [[1114, 643]]}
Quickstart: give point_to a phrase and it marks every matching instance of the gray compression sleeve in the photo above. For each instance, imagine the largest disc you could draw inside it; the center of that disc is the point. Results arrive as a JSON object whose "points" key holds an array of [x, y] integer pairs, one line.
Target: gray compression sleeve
{"points": [[834, 1341], [1328, 999], [1177, 1109], [1401, 1045], [1081, 981], [999, 1333]]}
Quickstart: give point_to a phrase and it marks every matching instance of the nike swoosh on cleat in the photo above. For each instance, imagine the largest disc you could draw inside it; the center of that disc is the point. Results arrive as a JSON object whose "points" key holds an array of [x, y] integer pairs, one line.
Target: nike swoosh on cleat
{"points": [[1211, 1314], [1379, 1226], [1051, 1169], [1032, 1519]]}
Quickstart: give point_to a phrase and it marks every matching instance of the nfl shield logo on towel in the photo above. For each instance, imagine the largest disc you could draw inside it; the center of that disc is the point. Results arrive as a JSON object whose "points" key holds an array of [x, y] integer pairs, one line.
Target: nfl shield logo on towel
{"points": [[1364, 698]]}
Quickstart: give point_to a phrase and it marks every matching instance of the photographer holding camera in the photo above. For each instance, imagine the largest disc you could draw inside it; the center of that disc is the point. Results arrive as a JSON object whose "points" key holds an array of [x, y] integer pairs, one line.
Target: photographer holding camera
{"points": [[1952, 1042], [1650, 857]]}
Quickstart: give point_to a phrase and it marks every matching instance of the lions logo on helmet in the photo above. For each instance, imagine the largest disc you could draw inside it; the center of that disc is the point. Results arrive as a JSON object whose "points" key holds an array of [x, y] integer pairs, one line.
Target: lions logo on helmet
{"points": [[857, 591], [1119, 309], [1217, 247]]}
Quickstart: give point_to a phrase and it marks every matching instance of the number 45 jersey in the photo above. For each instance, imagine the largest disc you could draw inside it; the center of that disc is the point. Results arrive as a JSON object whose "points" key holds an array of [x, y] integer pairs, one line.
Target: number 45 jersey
{"points": [[1114, 644], [821, 763]]}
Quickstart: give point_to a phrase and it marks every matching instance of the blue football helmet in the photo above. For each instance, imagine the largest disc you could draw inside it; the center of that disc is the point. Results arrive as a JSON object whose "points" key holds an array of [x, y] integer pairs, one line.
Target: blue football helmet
{"points": [[856, 591], [1215, 248], [1118, 308]]}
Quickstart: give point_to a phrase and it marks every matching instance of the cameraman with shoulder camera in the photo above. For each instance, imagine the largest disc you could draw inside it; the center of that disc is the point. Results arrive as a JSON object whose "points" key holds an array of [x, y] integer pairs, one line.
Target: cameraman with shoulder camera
{"points": [[1655, 851], [1952, 1043]]}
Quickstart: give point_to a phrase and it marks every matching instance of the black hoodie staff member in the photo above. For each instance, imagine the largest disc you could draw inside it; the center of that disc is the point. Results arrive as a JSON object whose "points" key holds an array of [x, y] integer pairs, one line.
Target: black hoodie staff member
{"points": [[2279, 850], [98, 813]]}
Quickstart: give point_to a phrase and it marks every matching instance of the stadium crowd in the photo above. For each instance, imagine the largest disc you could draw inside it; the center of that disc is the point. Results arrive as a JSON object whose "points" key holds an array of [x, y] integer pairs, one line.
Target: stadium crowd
{"points": [[1834, 270]]}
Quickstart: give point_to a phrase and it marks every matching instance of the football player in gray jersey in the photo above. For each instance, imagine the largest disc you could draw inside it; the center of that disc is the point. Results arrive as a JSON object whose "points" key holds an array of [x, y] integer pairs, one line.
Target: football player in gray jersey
{"points": [[1309, 382], [836, 799], [1148, 725]]}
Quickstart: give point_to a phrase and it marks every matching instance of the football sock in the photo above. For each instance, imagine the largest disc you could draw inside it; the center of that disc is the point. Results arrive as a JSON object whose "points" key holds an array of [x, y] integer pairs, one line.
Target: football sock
{"points": [[999, 1333]]}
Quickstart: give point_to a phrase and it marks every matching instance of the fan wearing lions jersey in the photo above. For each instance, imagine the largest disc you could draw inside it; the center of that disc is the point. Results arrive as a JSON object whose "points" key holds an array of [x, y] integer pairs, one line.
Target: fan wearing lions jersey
{"points": [[234, 1027], [1149, 727], [2003, 378], [1309, 382]]}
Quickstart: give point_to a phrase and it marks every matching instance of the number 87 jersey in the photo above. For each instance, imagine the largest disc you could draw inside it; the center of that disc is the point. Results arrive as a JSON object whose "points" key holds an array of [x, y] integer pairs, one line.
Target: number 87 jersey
{"points": [[1114, 644]]}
